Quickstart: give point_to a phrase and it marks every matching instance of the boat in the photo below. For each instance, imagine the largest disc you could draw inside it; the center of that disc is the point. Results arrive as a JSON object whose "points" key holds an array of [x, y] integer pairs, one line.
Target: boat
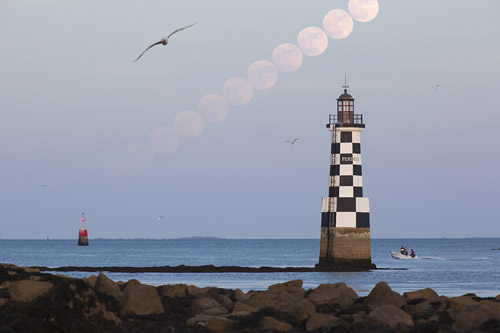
{"points": [[399, 255]]}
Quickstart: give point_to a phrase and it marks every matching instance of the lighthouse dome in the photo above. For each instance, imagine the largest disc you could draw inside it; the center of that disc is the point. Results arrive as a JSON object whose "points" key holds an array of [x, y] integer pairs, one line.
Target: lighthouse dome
{"points": [[345, 95]]}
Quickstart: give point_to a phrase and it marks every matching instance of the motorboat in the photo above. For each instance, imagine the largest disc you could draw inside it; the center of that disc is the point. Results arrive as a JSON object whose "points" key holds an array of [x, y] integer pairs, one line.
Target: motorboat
{"points": [[399, 255]]}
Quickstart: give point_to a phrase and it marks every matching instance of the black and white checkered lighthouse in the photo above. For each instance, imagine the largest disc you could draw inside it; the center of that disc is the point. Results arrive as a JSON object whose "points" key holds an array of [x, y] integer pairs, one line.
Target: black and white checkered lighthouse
{"points": [[345, 216]]}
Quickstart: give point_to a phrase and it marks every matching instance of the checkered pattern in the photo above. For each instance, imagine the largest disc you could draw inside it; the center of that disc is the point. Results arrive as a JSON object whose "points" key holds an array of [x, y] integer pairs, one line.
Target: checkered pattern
{"points": [[345, 205]]}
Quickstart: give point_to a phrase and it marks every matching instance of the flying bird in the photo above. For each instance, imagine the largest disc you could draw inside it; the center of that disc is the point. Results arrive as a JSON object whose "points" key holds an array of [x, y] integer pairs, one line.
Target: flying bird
{"points": [[436, 86], [293, 141], [164, 41], [45, 185], [160, 217]]}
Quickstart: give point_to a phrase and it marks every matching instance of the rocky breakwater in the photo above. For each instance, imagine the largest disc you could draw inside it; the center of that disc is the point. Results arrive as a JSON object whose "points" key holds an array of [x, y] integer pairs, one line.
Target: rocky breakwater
{"points": [[34, 301]]}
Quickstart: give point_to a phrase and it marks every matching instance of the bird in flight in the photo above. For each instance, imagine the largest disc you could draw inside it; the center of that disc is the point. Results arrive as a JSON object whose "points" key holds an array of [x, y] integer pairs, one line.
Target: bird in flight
{"points": [[293, 141], [164, 41], [436, 86], [160, 217], [45, 185]]}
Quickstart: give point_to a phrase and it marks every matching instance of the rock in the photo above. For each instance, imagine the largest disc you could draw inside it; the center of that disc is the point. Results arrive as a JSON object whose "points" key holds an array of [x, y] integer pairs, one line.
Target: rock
{"points": [[497, 298], [468, 320], [35, 278], [201, 304], [319, 321], [31, 270], [91, 280], [427, 294], [193, 321], [225, 301], [173, 291], [242, 307], [337, 294], [27, 290], [302, 310], [140, 300], [130, 284], [269, 323], [390, 315], [295, 284], [216, 311], [107, 286], [220, 324], [12, 273], [262, 300], [241, 296], [200, 292], [3, 301], [419, 309], [458, 304], [382, 294]]}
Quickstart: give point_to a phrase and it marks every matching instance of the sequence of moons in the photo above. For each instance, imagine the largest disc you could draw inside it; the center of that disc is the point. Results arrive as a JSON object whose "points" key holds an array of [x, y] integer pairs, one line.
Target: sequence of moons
{"points": [[237, 91], [262, 74], [188, 124], [312, 41], [213, 108], [338, 24], [164, 141], [287, 58], [363, 10]]}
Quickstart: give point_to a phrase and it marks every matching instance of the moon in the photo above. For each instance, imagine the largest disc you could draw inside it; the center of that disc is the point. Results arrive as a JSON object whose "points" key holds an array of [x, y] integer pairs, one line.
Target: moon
{"points": [[139, 156], [363, 10], [213, 108], [287, 58], [188, 124], [164, 141], [338, 24], [262, 74], [312, 41], [237, 91]]}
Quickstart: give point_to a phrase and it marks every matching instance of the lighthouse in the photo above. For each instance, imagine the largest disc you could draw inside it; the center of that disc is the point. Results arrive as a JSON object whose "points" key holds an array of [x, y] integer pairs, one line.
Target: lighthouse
{"points": [[345, 214], [83, 238]]}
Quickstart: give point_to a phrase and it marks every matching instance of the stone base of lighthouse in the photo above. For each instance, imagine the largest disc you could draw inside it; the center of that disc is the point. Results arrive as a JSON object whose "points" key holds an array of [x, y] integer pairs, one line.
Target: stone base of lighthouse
{"points": [[83, 238], [345, 249]]}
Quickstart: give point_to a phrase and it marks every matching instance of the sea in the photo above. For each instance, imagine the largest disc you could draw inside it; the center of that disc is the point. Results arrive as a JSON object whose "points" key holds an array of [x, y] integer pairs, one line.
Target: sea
{"points": [[451, 267]]}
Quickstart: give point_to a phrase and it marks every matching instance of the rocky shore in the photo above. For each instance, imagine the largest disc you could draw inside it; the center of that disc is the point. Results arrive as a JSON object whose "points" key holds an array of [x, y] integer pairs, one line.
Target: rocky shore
{"points": [[31, 301]]}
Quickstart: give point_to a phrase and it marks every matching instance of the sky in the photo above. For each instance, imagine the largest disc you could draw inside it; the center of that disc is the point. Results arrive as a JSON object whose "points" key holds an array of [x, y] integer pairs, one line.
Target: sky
{"points": [[189, 133]]}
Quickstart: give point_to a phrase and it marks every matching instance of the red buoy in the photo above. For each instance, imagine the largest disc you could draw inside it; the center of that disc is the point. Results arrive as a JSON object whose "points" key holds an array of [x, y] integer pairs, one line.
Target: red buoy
{"points": [[83, 238]]}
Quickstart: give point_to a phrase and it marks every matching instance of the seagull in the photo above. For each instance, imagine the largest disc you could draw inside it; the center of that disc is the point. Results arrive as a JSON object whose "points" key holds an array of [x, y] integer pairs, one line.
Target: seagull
{"points": [[436, 86], [164, 41], [45, 185], [160, 217], [293, 141]]}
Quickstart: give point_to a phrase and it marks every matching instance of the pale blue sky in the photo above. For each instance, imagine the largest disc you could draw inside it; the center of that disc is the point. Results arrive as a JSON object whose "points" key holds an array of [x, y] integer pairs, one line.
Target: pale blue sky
{"points": [[72, 101]]}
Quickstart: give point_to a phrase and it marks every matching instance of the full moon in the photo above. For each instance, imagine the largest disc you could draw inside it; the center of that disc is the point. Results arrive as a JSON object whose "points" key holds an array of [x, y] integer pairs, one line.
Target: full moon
{"points": [[164, 141], [188, 124], [213, 108], [287, 58], [312, 41], [262, 74], [363, 10], [237, 91], [338, 23]]}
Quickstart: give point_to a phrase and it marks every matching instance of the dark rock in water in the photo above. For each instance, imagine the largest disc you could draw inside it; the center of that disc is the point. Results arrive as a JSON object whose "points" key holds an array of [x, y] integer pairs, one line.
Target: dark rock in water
{"points": [[33, 301]]}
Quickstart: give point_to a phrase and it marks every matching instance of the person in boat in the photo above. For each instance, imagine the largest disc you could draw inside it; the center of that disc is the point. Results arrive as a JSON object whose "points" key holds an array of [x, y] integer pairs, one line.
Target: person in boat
{"points": [[412, 253], [406, 251], [402, 250]]}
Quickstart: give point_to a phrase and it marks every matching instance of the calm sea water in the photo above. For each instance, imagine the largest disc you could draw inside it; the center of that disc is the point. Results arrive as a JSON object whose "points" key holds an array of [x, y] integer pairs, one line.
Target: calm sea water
{"points": [[451, 267]]}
